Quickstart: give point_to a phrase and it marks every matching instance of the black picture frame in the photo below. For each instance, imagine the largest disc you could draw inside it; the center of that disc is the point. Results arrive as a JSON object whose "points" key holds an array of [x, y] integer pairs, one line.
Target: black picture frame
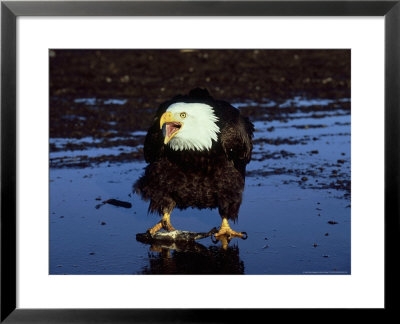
{"points": [[10, 10]]}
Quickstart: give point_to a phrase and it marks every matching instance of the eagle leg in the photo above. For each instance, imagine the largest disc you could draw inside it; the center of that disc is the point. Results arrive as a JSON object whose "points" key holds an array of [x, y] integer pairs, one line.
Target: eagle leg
{"points": [[225, 233], [164, 223]]}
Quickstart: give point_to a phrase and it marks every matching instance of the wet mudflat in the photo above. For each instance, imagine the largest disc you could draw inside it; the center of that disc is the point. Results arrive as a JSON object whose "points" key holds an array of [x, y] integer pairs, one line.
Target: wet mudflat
{"points": [[296, 206]]}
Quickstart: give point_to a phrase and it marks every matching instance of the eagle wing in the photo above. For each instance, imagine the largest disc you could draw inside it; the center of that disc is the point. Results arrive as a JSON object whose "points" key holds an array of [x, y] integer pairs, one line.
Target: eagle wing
{"points": [[236, 140], [153, 143]]}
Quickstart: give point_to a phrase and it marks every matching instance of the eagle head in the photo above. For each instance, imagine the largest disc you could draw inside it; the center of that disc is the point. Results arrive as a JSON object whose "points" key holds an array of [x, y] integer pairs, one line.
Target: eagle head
{"points": [[189, 126]]}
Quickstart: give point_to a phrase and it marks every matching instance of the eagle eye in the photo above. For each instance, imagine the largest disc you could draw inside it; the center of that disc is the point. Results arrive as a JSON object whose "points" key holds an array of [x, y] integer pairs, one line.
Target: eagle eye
{"points": [[183, 115]]}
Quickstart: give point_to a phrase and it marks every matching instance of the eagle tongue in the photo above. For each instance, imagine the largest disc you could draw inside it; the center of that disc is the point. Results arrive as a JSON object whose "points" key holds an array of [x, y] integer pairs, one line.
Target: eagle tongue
{"points": [[171, 128]]}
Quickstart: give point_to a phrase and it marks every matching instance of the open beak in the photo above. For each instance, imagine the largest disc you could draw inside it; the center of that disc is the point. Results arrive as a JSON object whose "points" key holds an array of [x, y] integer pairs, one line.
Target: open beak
{"points": [[172, 126]]}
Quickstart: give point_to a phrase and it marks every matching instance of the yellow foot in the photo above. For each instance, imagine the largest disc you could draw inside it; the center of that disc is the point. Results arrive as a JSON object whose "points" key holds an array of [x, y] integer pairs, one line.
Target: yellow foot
{"points": [[225, 234], [225, 230], [164, 223]]}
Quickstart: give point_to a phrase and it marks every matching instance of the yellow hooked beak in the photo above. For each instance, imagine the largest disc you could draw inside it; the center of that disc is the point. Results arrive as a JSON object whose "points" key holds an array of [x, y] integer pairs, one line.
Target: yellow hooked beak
{"points": [[172, 128]]}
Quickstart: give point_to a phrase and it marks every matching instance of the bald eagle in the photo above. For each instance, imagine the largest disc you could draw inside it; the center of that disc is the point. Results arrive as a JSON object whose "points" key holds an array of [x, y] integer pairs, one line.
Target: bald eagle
{"points": [[197, 150]]}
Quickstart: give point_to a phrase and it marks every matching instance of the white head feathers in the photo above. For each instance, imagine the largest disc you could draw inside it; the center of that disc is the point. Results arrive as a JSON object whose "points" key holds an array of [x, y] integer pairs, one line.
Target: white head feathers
{"points": [[198, 129]]}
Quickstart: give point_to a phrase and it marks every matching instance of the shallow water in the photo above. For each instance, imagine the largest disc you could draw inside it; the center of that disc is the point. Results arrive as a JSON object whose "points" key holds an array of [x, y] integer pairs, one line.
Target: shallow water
{"points": [[295, 210]]}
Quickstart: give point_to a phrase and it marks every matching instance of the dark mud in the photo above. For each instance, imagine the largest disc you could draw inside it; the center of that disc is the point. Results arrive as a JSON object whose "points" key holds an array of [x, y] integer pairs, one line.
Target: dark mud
{"points": [[149, 77], [298, 187]]}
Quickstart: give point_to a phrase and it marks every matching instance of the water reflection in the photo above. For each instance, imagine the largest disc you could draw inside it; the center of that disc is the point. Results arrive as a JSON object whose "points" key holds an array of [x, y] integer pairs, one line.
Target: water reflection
{"points": [[192, 258]]}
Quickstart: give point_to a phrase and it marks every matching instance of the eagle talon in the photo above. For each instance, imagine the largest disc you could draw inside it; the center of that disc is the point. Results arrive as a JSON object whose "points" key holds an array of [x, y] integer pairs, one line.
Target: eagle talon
{"points": [[225, 234], [163, 223], [226, 231], [154, 229]]}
